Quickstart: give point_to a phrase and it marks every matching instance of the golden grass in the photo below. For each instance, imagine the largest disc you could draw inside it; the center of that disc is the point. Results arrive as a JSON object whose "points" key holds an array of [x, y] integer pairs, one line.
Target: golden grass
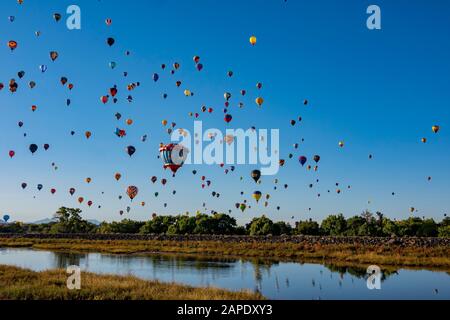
{"points": [[387, 255], [22, 284]]}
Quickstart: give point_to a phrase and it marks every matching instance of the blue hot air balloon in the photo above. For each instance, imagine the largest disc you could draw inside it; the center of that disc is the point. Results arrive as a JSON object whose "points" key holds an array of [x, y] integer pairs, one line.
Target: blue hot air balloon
{"points": [[6, 217]]}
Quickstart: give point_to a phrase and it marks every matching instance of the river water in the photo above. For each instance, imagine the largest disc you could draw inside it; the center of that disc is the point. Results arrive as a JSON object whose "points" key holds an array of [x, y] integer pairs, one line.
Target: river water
{"points": [[275, 280]]}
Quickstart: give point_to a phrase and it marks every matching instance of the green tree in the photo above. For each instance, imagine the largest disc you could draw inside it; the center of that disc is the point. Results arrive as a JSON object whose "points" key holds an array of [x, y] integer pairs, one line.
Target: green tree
{"points": [[307, 227], [334, 225], [70, 221], [260, 226]]}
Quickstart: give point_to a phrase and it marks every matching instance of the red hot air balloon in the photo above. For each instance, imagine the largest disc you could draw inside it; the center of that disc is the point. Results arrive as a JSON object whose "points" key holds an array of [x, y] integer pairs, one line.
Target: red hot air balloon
{"points": [[132, 192], [228, 118], [11, 154]]}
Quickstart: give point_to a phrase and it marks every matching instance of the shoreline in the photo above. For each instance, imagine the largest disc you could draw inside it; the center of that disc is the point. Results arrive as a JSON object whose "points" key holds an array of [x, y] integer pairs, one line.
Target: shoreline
{"points": [[412, 253], [24, 284]]}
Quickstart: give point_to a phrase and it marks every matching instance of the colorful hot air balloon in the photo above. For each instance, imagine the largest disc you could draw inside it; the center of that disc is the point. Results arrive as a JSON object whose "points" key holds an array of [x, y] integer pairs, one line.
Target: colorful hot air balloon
{"points": [[12, 45], [257, 195], [174, 156], [132, 192], [252, 40], [117, 176], [228, 118]]}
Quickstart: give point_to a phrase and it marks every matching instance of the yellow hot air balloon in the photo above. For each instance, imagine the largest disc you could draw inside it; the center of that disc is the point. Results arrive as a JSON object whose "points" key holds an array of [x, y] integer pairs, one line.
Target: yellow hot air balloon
{"points": [[187, 93], [257, 195], [252, 40], [435, 129], [259, 101]]}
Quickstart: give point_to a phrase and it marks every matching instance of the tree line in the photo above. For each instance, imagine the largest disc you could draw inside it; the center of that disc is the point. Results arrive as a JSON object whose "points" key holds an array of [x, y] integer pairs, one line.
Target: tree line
{"points": [[69, 220]]}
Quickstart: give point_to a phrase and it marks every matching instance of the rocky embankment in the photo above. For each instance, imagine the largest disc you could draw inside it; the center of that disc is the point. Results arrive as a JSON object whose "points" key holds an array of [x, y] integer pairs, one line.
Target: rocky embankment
{"points": [[308, 240]]}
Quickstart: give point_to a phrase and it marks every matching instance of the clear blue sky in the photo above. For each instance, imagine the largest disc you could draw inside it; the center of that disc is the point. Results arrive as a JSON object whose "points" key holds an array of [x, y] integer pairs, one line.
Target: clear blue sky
{"points": [[379, 91]]}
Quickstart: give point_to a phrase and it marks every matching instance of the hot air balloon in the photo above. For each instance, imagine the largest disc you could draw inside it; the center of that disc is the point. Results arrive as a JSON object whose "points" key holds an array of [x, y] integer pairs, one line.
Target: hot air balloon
{"points": [[110, 41], [117, 176], [174, 156], [154, 179], [228, 118], [90, 203], [39, 187], [11, 154], [243, 206], [53, 191], [6, 218], [256, 174], [24, 185], [435, 128], [57, 17], [46, 146], [80, 200], [302, 160], [155, 77], [252, 40], [12, 45], [43, 68], [341, 144], [108, 21], [72, 191], [54, 55], [316, 158], [130, 150], [88, 134], [257, 195], [259, 101], [33, 148], [132, 192]]}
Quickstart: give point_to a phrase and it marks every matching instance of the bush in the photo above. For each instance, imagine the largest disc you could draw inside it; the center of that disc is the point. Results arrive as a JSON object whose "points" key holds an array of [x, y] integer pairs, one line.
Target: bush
{"points": [[260, 226]]}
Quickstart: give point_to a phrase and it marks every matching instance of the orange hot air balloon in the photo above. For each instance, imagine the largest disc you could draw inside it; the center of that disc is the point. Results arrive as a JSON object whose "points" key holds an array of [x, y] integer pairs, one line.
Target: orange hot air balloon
{"points": [[117, 176], [88, 134], [129, 122], [12, 45], [252, 40], [88, 180], [164, 122], [259, 101], [33, 108], [80, 200]]}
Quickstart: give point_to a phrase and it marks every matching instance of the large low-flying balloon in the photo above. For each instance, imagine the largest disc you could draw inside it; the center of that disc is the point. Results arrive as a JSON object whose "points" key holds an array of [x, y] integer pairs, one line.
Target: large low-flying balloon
{"points": [[174, 156]]}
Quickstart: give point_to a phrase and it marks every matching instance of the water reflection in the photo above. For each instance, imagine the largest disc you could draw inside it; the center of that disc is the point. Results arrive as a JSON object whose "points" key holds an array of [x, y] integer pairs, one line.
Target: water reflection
{"points": [[274, 279]]}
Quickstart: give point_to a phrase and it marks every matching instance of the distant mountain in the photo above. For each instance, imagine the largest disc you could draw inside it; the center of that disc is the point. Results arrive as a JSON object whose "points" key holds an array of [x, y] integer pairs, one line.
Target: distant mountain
{"points": [[50, 220], [93, 221], [45, 221]]}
